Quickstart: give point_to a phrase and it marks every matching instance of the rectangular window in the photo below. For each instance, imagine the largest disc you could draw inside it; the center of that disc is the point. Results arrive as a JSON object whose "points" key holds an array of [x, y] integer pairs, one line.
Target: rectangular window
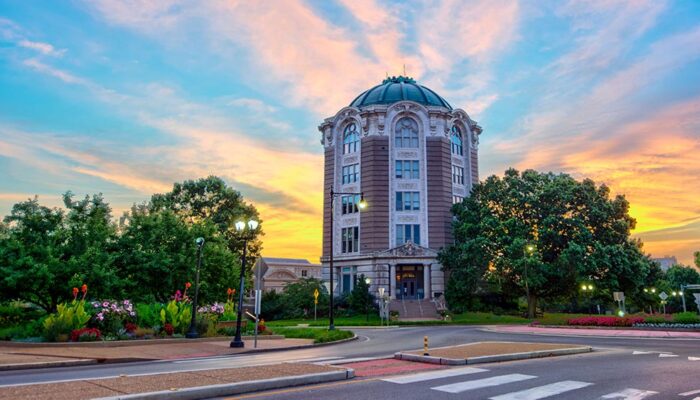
{"points": [[407, 201], [457, 175], [350, 240], [457, 199], [404, 233], [303, 273], [407, 169], [349, 204], [351, 173]]}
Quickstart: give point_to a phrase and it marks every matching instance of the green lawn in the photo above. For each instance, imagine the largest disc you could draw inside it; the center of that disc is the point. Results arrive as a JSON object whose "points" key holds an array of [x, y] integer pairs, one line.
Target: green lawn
{"points": [[317, 334], [469, 318]]}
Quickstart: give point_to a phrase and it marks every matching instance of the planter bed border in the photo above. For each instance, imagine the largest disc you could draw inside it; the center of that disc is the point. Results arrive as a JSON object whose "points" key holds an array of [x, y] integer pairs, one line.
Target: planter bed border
{"points": [[131, 342], [617, 328]]}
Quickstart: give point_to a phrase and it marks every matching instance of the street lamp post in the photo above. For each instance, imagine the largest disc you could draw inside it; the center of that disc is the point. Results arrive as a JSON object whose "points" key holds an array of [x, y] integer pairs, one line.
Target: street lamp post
{"points": [[192, 333], [530, 250], [241, 226], [361, 205], [588, 289]]}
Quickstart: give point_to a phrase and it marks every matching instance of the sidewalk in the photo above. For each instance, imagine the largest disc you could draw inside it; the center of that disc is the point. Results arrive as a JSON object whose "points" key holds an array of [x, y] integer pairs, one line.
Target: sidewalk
{"points": [[593, 332], [13, 357], [183, 385]]}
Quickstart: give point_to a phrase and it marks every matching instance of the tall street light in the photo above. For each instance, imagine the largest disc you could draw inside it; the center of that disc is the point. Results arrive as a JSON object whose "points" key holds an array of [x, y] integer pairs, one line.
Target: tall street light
{"points": [[530, 248], [361, 206], [247, 230], [588, 289], [192, 333]]}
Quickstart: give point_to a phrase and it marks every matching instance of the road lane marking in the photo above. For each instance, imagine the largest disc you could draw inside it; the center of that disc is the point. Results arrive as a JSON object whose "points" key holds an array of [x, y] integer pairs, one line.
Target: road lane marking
{"points": [[692, 392], [641, 352], [541, 392], [693, 358], [665, 355], [426, 376], [460, 387], [630, 394]]}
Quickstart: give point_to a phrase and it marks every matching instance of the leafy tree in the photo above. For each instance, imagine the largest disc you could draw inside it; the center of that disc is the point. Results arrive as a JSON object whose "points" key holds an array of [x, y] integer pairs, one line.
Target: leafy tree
{"points": [[361, 300], [157, 255], [299, 298], [697, 259], [211, 199], [541, 234], [46, 251], [679, 275]]}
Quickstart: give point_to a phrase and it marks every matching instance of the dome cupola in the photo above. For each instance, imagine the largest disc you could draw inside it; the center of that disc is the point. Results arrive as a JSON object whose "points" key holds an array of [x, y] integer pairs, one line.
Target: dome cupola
{"points": [[399, 88]]}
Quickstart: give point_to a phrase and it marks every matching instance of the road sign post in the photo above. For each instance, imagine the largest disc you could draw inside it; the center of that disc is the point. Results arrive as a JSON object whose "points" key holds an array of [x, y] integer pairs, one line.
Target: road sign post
{"points": [[258, 299], [663, 296], [315, 302]]}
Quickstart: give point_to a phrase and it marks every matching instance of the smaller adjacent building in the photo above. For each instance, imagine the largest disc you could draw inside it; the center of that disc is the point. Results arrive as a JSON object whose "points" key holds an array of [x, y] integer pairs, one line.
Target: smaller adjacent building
{"points": [[666, 262], [276, 273]]}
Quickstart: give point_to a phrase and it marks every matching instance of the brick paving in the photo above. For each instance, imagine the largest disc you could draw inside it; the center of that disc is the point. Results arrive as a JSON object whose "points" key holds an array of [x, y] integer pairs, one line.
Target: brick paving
{"points": [[388, 367], [88, 389], [147, 351], [491, 349]]}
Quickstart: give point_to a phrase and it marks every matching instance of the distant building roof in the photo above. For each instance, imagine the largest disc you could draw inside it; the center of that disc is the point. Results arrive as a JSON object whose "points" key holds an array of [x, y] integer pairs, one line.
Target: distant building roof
{"points": [[285, 260], [666, 262]]}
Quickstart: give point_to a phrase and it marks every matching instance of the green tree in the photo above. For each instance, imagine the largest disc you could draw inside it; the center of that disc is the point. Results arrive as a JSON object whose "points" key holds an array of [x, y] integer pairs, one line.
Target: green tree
{"points": [[299, 298], [679, 275], [46, 251], [361, 300], [157, 255], [697, 259], [542, 234], [211, 199]]}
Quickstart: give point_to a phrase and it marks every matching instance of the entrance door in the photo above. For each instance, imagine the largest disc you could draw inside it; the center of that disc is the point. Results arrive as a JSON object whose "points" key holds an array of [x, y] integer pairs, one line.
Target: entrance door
{"points": [[408, 287]]}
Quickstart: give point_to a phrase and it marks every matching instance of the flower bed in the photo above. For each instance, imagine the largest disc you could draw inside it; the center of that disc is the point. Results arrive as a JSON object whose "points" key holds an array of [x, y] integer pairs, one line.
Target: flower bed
{"points": [[605, 321]]}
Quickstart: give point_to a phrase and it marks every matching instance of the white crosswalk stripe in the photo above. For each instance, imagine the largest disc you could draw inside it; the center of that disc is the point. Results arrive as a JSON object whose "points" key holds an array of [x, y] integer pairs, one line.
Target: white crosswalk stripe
{"points": [[664, 355], [630, 394], [540, 392], [692, 392], [460, 387], [426, 376]]}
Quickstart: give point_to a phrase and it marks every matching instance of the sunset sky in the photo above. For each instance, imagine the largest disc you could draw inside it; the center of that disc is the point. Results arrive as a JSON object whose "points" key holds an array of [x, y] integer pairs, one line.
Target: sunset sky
{"points": [[127, 97]]}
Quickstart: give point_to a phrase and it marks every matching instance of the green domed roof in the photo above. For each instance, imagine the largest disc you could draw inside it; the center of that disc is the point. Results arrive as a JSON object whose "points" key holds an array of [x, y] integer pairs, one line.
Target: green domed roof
{"points": [[399, 88]]}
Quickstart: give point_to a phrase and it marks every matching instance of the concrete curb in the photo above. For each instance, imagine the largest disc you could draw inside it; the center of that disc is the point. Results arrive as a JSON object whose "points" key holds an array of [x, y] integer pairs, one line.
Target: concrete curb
{"points": [[47, 364], [228, 389], [494, 358]]}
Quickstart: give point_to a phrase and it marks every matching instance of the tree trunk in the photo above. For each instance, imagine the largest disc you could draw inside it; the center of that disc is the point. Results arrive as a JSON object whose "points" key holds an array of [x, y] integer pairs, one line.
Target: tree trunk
{"points": [[531, 306]]}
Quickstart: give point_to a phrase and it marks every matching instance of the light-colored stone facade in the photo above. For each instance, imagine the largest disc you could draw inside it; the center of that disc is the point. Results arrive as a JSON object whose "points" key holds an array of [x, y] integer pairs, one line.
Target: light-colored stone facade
{"points": [[406, 269], [276, 273]]}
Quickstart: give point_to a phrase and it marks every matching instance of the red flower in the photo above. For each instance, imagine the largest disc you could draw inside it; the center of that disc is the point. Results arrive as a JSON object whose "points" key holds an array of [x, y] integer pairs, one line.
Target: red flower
{"points": [[169, 330], [83, 288], [229, 291], [75, 293], [188, 285]]}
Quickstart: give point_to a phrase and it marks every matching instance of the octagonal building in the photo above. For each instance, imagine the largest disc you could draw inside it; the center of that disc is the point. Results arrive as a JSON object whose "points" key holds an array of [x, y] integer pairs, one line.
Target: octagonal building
{"points": [[412, 156]]}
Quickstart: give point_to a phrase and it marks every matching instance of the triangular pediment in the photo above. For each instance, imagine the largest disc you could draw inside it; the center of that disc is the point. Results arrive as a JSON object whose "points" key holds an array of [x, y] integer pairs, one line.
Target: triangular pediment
{"points": [[409, 249]]}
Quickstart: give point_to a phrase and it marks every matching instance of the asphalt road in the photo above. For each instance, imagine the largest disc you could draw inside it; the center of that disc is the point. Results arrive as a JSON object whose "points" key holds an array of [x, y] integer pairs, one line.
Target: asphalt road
{"points": [[659, 365]]}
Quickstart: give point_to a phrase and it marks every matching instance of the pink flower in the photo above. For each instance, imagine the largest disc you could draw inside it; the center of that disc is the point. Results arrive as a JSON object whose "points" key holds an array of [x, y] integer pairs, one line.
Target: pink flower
{"points": [[105, 304], [100, 316]]}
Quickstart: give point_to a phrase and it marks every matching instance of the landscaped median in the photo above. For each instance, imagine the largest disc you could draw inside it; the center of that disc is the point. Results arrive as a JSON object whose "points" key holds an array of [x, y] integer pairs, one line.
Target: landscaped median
{"points": [[184, 385], [484, 352]]}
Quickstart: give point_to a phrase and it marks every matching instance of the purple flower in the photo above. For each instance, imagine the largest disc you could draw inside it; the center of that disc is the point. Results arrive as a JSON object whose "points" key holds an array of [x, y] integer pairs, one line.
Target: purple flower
{"points": [[100, 316], [105, 304], [133, 314]]}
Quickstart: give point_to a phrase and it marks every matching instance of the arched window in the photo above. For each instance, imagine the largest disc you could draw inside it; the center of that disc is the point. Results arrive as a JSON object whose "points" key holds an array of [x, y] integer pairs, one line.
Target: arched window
{"points": [[456, 139], [350, 138], [406, 133]]}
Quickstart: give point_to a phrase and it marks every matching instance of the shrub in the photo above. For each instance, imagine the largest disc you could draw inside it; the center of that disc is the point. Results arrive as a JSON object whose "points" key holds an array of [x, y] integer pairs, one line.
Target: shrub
{"points": [[168, 329], [686, 318], [605, 321], [69, 317], [144, 332], [148, 315], [177, 313], [111, 316], [85, 335]]}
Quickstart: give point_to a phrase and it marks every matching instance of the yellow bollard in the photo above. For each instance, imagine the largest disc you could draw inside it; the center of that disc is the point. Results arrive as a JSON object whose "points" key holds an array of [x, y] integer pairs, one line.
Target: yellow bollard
{"points": [[425, 346]]}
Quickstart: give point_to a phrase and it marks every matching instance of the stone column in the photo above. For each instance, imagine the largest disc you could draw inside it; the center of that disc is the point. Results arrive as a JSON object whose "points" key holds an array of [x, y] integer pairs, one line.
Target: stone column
{"points": [[392, 281], [426, 281]]}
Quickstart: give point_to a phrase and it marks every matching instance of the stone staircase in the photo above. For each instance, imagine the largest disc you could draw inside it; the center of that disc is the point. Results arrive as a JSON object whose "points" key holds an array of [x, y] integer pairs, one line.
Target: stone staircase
{"points": [[414, 309]]}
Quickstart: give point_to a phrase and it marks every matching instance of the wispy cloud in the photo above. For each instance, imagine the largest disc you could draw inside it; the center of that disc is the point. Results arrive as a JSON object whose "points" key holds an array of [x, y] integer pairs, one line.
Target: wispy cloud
{"points": [[43, 48]]}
